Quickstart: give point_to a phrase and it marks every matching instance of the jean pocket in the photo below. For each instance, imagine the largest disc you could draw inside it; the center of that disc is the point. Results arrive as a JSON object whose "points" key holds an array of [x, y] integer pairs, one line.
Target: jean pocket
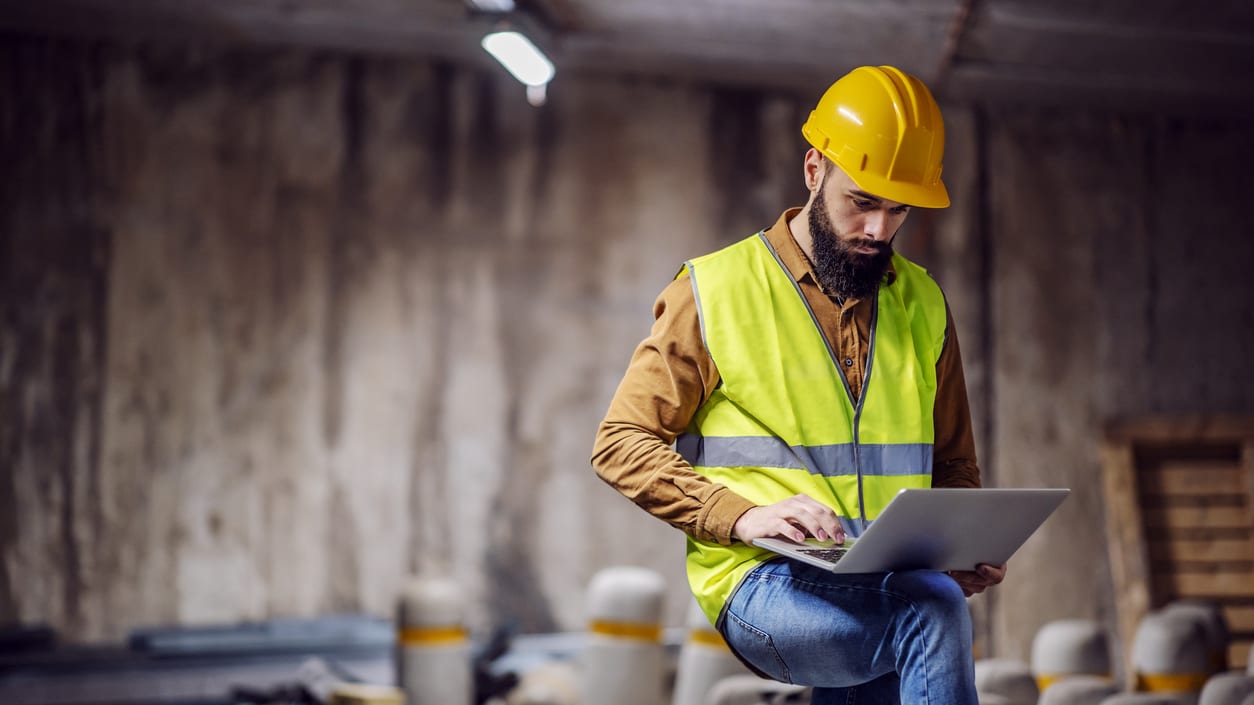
{"points": [[756, 647]]}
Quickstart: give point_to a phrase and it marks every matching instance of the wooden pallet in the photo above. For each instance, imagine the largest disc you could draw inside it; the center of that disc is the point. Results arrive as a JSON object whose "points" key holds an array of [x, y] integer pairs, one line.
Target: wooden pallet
{"points": [[1180, 520]]}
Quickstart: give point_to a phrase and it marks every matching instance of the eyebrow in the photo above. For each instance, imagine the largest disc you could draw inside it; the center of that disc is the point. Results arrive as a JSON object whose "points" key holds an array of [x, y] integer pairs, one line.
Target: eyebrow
{"points": [[870, 197]]}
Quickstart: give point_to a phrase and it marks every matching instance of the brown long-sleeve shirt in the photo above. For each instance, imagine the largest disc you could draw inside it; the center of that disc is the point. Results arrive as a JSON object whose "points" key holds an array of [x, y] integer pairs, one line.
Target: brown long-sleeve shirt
{"points": [[671, 375]]}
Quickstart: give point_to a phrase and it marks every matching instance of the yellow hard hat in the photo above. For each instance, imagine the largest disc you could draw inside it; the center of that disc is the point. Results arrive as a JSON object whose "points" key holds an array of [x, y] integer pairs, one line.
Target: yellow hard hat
{"points": [[884, 129]]}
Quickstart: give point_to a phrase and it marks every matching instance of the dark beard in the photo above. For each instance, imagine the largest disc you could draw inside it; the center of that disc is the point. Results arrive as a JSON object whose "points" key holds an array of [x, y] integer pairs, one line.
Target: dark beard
{"points": [[840, 270]]}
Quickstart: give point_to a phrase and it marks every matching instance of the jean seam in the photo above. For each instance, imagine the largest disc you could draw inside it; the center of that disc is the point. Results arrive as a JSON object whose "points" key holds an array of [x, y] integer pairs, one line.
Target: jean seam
{"points": [[770, 644]]}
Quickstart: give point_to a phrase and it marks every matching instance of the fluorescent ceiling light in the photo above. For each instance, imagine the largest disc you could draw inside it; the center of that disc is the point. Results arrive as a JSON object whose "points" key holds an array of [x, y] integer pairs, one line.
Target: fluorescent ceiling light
{"points": [[492, 5], [520, 57]]}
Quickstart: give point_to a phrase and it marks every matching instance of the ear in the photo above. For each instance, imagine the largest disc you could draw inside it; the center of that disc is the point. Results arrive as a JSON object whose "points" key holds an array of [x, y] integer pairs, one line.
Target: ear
{"points": [[813, 169]]}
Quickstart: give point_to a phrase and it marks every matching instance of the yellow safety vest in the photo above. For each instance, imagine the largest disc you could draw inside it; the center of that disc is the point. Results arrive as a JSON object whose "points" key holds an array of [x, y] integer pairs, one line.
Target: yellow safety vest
{"points": [[783, 420]]}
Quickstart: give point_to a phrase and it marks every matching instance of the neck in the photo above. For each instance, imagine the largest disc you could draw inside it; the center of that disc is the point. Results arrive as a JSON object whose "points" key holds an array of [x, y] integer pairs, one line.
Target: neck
{"points": [[799, 226]]}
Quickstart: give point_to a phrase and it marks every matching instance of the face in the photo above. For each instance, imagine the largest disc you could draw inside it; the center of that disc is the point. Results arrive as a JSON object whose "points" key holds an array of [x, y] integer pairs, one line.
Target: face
{"points": [[851, 234]]}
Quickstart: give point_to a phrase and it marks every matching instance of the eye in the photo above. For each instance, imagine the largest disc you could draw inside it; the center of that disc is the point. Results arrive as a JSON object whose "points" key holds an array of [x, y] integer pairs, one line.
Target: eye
{"points": [[862, 203], [901, 210]]}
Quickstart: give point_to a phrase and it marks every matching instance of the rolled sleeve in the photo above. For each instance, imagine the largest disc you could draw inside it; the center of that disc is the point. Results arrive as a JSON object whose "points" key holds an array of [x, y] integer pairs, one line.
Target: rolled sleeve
{"points": [[669, 377]]}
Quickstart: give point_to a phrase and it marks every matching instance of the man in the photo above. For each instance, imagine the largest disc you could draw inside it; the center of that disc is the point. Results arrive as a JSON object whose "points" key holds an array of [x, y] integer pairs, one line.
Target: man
{"points": [[806, 375]]}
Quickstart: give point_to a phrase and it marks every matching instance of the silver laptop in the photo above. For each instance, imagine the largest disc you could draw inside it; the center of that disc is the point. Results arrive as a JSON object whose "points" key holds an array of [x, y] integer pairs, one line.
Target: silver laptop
{"points": [[934, 529]]}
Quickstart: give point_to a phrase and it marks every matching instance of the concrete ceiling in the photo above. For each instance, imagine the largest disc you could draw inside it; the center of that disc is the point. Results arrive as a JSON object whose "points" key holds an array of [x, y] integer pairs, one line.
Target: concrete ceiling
{"points": [[1173, 55]]}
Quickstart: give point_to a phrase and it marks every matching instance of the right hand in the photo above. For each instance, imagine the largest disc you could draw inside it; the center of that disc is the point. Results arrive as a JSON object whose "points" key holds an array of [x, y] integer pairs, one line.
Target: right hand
{"points": [[793, 518]]}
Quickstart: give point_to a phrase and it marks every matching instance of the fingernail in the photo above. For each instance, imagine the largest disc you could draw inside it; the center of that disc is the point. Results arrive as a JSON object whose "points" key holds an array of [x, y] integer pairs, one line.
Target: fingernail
{"points": [[822, 535]]}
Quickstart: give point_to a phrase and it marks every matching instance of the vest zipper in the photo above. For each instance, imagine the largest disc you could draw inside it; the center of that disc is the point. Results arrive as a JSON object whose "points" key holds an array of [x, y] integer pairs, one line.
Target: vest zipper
{"points": [[831, 352], [857, 410]]}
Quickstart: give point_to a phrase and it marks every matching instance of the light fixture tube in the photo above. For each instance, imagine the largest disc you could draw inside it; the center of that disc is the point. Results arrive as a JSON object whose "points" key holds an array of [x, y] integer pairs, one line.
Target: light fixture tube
{"points": [[492, 5], [520, 57]]}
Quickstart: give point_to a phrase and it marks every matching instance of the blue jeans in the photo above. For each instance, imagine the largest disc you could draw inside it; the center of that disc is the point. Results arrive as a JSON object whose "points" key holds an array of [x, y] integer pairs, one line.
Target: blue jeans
{"points": [[858, 639]]}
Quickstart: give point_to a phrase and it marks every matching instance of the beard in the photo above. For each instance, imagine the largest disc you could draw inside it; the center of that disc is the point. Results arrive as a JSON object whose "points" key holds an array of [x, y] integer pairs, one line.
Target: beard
{"points": [[839, 269]]}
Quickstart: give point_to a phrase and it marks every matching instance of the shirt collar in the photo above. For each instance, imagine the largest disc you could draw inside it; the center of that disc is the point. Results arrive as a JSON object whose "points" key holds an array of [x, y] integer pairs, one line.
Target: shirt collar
{"points": [[798, 265]]}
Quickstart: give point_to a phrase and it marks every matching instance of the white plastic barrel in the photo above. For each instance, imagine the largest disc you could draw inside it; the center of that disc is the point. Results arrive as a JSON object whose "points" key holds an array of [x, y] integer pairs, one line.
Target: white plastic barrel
{"points": [[1213, 623], [623, 661], [1227, 689], [433, 650], [1170, 656], [1069, 647]]}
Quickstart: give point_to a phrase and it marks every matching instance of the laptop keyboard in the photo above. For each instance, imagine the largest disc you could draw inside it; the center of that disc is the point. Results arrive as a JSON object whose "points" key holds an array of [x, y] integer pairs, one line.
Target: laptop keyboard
{"points": [[827, 554]]}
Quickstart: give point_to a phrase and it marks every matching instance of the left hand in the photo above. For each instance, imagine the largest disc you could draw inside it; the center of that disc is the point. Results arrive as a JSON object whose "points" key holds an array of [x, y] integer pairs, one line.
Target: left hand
{"points": [[973, 582]]}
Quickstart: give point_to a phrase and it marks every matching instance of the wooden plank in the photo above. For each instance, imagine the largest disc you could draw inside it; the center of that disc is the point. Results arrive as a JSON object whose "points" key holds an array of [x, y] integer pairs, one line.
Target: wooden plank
{"points": [[1129, 561], [1191, 485], [1218, 550], [1191, 478], [1240, 618], [1226, 584], [1239, 655], [1170, 429], [1197, 517], [1247, 462]]}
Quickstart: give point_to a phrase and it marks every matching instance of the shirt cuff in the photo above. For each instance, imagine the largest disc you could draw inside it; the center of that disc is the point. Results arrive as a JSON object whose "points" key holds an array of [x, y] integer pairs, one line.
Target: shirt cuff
{"points": [[720, 514]]}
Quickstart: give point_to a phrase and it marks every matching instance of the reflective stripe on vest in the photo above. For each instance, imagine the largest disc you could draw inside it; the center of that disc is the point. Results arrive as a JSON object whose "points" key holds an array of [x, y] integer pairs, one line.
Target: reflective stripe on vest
{"points": [[783, 421], [835, 459]]}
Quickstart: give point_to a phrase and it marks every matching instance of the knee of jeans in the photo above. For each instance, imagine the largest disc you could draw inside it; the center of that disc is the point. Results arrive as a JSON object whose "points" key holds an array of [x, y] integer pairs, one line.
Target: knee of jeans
{"points": [[936, 593]]}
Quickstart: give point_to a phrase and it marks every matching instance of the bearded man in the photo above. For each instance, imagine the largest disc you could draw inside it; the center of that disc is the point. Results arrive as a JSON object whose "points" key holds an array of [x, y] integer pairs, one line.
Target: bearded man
{"points": [[804, 375]]}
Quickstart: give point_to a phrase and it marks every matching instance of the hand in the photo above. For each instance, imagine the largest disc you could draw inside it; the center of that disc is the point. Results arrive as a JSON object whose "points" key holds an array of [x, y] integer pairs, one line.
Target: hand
{"points": [[976, 581], [793, 518]]}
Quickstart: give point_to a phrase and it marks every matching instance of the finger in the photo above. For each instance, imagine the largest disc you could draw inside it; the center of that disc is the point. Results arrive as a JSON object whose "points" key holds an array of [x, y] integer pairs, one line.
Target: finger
{"points": [[787, 529], [970, 582], [826, 525], [991, 573], [970, 589], [814, 521], [800, 517]]}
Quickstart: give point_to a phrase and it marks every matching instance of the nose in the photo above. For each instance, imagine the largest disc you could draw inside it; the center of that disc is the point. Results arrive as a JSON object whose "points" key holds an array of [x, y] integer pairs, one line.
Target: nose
{"points": [[876, 225]]}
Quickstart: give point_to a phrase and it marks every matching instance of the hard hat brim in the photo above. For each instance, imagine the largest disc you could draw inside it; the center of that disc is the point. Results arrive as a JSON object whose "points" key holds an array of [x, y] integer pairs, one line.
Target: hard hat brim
{"points": [[917, 195]]}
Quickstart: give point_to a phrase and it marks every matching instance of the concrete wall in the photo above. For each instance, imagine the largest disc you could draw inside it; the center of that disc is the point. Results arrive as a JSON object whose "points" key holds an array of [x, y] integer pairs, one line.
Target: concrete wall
{"points": [[281, 328], [1120, 286]]}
